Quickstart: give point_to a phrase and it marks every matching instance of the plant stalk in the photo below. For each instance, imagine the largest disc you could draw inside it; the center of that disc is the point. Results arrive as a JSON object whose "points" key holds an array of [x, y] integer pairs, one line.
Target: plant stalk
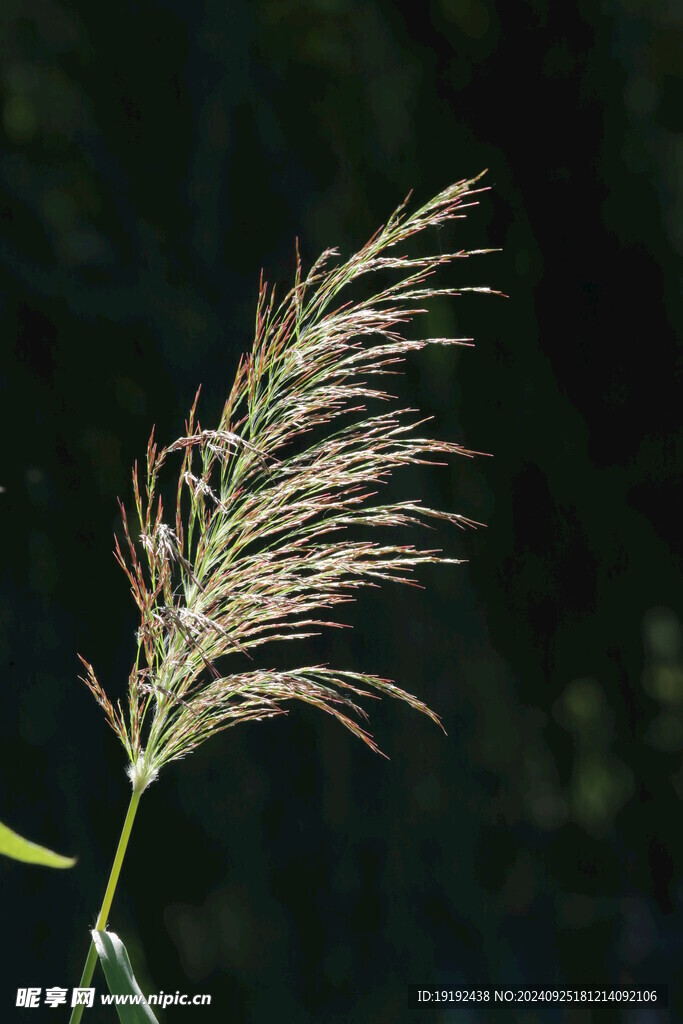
{"points": [[101, 924]]}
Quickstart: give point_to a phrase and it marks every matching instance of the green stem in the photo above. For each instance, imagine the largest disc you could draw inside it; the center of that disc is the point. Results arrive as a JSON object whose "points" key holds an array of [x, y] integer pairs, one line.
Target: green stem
{"points": [[101, 924]]}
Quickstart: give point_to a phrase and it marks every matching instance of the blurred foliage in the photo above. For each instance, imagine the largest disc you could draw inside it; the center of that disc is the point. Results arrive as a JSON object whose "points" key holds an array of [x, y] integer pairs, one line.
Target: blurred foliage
{"points": [[153, 156]]}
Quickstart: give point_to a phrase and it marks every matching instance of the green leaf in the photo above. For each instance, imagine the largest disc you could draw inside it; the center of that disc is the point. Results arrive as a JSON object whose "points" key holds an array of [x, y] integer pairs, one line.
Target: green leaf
{"points": [[120, 978], [14, 845]]}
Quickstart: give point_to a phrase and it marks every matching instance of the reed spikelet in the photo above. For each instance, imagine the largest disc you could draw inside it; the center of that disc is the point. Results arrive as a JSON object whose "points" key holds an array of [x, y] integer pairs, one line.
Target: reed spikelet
{"points": [[257, 547]]}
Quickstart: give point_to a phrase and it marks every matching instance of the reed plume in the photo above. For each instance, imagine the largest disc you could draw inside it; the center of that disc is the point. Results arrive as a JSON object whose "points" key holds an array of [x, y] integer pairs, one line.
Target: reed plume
{"points": [[257, 548]]}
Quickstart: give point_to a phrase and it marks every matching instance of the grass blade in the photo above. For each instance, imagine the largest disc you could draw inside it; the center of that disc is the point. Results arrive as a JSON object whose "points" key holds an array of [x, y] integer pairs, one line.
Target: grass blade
{"points": [[120, 978], [15, 846]]}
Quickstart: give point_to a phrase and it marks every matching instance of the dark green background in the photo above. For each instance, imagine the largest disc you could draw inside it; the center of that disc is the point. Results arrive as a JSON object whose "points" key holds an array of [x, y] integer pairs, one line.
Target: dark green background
{"points": [[154, 156]]}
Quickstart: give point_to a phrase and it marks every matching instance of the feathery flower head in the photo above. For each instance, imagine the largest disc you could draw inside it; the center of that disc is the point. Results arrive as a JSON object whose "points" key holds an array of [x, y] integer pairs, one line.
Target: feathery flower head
{"points": [[256, 549]]}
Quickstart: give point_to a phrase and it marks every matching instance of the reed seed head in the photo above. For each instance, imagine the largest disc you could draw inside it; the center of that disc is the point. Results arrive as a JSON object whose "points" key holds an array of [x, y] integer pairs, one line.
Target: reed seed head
{"points": [[272, 506]]}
